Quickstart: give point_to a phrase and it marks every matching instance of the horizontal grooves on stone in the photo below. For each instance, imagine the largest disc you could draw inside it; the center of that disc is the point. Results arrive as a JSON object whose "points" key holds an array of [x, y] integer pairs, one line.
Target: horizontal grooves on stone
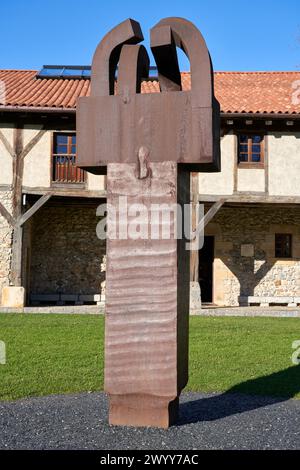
{"points": [[141, 297]]}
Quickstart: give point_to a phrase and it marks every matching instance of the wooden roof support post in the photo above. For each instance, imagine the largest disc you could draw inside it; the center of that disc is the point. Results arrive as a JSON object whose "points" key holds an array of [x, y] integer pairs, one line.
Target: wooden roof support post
{"points": [[211, 213], [16, 258], [194, 201], [149, 143], [18, 168], [7, 216], [33, 209], [17, 252], [18, 153]]}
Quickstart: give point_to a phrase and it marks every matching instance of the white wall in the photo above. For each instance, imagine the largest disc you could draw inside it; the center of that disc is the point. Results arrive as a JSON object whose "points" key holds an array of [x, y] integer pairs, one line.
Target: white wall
{"points": [[283, 158], [95, 182], [6, 172], [37, 163], [251, 179], [221, 183], [284, 164]]}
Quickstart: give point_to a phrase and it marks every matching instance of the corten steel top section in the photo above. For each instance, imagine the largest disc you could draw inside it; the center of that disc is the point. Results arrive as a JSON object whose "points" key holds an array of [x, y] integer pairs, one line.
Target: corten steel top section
{"points": [[173, 125]]}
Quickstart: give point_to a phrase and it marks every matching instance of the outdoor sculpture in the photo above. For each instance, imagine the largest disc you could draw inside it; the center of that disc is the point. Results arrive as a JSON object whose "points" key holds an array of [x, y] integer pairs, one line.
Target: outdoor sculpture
{"points": [[149, 144]]}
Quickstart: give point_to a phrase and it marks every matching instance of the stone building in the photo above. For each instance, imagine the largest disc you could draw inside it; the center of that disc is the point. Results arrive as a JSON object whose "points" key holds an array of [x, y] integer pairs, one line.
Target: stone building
{"points": [[48, 243]]}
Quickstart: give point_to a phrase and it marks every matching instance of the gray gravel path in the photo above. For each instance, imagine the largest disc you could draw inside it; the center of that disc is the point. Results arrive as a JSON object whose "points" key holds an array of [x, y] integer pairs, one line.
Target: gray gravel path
{"points": [[218, 421]]}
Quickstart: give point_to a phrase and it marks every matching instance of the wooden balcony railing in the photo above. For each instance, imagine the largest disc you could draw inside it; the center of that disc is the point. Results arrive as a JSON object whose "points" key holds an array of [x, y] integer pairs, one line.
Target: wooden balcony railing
{"points": [[66, 171]]}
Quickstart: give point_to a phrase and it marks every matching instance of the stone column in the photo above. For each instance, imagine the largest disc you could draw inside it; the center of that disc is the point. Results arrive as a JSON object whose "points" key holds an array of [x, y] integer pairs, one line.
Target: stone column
{"points": [[146, 333]]}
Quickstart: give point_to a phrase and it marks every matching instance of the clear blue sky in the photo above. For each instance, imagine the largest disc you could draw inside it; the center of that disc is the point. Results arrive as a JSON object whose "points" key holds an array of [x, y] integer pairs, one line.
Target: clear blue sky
{"points": [[240, 34]]}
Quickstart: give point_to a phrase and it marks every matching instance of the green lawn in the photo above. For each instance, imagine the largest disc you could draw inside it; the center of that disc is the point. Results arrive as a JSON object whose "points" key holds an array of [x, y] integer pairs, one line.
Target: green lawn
{"points": [[49, 354]]}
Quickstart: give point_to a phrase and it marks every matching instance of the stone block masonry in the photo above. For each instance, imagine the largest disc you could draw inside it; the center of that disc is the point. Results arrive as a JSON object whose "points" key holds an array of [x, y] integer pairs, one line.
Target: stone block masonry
{"points": [[5, 240], [261, 274], [13, 297], [66, 255]]}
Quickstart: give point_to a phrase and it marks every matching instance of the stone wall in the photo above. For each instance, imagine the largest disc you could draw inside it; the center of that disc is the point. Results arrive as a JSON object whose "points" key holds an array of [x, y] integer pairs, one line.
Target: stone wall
{"points": [[66, 255], [258, 273], [5, 241]]}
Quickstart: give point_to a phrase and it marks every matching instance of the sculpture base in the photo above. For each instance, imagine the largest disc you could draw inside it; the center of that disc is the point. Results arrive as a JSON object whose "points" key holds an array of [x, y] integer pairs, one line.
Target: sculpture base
{"points": [[143, 410]]}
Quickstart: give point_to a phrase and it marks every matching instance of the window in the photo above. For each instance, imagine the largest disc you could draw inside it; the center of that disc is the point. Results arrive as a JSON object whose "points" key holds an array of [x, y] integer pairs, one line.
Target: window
{"points": [[64, 159], [251, 150], [283, 245]]}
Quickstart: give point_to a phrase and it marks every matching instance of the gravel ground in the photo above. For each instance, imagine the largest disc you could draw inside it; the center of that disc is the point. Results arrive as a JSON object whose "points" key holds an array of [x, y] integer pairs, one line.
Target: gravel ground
{"points": [[207, 421]]}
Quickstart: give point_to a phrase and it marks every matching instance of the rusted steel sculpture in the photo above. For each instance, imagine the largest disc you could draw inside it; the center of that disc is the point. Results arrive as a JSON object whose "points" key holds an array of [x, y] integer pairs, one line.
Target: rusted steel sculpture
{"points": [[148, 144]]}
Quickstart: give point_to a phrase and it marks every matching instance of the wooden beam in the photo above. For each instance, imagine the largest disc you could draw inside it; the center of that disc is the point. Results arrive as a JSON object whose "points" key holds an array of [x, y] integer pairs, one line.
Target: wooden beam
{"points": [[16, 260], [32, 143], [205, 220], [15, 275], [250, 198], [194, 258], [36, 206], [18, 168], [235, 164], [241, 197], [19, 153], [210, 214], [65, 192], [5, 187], [7, 216], [6, 144], [266, 162]]}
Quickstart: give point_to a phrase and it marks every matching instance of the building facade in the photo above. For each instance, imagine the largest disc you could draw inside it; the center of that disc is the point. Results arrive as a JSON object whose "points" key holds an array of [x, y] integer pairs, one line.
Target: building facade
{"points": [[48, 242]]}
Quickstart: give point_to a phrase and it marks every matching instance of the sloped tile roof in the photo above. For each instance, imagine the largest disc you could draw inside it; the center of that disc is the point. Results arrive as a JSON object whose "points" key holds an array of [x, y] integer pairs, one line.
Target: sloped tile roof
{"points": [[238, 92]]}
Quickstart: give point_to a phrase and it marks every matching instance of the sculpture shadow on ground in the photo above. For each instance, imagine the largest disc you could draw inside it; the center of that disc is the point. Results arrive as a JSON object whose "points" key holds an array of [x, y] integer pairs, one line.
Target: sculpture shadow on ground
{"points": [[245, 396]]}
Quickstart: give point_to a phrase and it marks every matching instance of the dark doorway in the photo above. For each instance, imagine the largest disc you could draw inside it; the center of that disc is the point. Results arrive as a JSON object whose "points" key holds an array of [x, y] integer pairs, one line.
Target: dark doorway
{"points": [[206, 259]]}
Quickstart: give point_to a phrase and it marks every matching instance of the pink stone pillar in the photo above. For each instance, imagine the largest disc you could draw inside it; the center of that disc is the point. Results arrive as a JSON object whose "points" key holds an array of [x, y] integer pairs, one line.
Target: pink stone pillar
{"points": [[147, 303]]}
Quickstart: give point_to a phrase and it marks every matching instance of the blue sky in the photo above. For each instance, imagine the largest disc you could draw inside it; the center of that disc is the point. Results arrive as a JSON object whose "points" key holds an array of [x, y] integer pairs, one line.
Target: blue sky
{"points": [[240, 34]]}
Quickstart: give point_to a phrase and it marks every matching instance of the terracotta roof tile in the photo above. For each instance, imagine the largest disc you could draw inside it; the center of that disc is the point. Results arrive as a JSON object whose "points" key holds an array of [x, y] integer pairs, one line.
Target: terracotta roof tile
{"points": [[238, 92]]}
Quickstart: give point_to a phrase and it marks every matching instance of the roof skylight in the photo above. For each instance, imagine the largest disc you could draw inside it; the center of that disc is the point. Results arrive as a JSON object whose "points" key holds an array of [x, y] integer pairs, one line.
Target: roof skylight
{"points": [[76, 71], [65, 71]]}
